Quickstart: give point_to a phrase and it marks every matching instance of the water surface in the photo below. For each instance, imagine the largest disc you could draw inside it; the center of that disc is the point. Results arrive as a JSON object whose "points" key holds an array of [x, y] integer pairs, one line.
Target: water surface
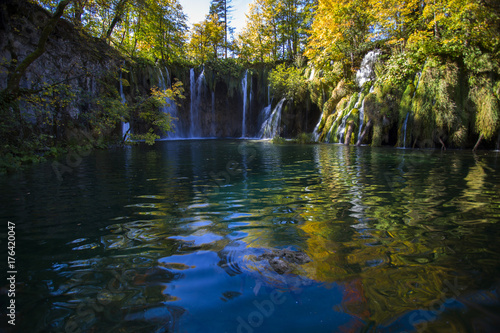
{"points": [[201, 236]]}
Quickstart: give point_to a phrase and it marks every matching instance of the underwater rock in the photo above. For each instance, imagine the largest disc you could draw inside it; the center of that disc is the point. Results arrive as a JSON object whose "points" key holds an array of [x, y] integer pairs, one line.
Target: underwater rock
{"points": [[281, 261]]}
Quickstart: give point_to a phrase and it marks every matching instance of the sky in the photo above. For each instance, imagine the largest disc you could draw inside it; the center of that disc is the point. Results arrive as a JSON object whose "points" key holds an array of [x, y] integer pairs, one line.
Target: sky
{"points": [[196, 10]]}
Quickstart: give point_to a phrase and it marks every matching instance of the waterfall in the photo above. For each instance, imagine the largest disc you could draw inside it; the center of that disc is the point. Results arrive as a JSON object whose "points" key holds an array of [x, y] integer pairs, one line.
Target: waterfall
{"points": [[264, 115], [244, 89], [362, 114], [170, 107], [192, 90], [404, 129], [341, 129], [199, 92], [316, 133], [419, 74], [361, 118], [343, 124], [251, 98], [311, 75], [125, 126], [196, 86], [366, 72], [270, 127]]}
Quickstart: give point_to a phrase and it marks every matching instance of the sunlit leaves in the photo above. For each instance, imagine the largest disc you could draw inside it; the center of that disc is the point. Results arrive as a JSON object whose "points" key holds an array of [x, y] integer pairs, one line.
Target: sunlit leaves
{"points": [[487, 106], [148, 111], [338, 32], [275, 29], [206, 39], [289, 83], [146, 28]]}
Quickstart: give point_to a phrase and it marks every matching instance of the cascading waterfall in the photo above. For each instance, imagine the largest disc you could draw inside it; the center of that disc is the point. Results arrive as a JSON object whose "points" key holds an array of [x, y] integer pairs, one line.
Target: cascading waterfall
{"points": [[338, 126], [244, 83], [342, 127], [419, 74], [125, 126], [365, 72], [312, 74], [404, 128], [270, 127], [361, 117], [170, 107], [250, 99], [362, 113], [363, 75], [196, 86], [192, 89], [315, 134], [199, 93], [264, 115]]}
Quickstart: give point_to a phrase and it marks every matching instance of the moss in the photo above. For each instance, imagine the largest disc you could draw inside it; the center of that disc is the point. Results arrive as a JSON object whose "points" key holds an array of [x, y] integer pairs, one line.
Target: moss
{"points": [[339, 92], [278, 140], [371, 107], [377, 135], [343, 103], [434, 106], [353, 101], [482, 94], [329, 123], [404, 110], [459, 136], [304, 138]]}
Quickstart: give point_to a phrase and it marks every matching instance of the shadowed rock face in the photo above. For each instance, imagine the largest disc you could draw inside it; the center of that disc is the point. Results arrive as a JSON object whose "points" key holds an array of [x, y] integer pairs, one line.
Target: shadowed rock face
{"points": [[70, 57]]}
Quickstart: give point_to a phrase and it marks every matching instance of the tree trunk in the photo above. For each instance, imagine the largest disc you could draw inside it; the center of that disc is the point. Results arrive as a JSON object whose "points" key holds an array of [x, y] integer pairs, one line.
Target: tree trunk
{"points": [[443, 146], [118, 16], [360, 139], [477, 143], [225, 29], [78, 5], [349, 133], [12, 92]]}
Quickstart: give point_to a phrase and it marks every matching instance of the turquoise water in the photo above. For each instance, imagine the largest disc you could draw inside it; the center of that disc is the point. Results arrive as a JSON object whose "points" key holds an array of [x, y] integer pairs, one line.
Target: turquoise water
{"points": [[244, 236]]}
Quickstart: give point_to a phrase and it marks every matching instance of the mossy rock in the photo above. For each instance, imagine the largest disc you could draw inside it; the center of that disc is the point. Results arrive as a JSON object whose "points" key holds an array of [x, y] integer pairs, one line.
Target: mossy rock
{"points": [[377, 135]]}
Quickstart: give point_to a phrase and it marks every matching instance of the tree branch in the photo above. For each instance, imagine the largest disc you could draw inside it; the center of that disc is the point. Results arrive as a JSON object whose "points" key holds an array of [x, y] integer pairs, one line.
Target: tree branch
{"points": [[12, 91]]}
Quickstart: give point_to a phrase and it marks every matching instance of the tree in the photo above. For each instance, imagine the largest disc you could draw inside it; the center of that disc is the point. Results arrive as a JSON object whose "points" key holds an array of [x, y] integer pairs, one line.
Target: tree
{"points": [[223, 8], [395, 21], [151, 29], [276, 29], [207, 37], [339, 33], [12, 92], [256, 40]]}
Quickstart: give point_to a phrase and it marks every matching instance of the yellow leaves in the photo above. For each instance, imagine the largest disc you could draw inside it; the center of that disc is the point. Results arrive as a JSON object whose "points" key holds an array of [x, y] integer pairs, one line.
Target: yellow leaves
{"points": [[396, 41], [338, 30]]}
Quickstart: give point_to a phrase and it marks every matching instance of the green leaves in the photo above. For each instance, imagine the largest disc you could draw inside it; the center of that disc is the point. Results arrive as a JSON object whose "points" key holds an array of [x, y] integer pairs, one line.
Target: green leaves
{"points": [[275, 30], [147, 111], [289, 83]]}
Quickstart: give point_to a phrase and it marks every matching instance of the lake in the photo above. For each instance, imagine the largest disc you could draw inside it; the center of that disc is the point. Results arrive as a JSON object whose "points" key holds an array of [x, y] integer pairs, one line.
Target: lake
{"points": [[248, 236]]}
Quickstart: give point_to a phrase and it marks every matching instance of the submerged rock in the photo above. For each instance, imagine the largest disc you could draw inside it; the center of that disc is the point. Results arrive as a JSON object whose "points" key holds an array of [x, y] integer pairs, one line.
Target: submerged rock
{"points": [[282, 261], [274, 268]]}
